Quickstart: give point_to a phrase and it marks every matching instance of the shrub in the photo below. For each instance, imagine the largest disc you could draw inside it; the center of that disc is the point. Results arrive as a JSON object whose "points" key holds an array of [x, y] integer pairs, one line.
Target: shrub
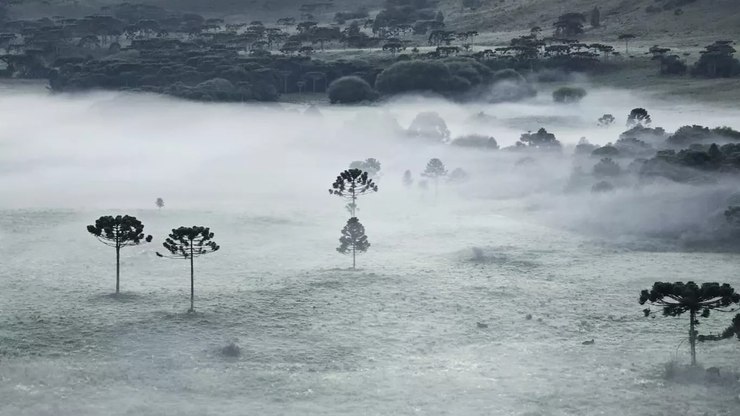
{"points": [[349, 90], [568, 94]]}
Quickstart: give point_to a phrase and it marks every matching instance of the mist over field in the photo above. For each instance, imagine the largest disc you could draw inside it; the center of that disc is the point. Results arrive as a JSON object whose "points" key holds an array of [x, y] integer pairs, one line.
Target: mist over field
{"points": [[102, 151], [474, 302]]}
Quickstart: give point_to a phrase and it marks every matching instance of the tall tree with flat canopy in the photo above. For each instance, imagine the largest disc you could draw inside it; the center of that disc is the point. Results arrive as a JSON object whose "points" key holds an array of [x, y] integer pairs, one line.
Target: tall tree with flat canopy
{"points": [[350, 184], [626, 37], [188, 243], [353, 240], [118, 232], [435, 169], [678, 298]]}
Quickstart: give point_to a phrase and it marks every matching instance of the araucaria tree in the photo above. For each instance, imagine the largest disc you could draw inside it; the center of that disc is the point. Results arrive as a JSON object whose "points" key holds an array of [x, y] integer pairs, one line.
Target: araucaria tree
{"points": [[435, 169], [159, 203], [350, 184], [119, 232], [678, 298], [188, 243], [353, 240]]}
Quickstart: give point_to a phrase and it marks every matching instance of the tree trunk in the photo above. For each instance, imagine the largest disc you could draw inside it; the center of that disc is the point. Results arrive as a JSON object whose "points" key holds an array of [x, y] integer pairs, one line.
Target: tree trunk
{"points": [[118, 268], [692, 337], [192, 281], [354, 262]]}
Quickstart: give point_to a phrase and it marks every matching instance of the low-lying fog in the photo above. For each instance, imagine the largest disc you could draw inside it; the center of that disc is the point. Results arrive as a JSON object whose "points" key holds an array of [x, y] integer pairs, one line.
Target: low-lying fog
{"points": [[514, 293], [118, 151]]}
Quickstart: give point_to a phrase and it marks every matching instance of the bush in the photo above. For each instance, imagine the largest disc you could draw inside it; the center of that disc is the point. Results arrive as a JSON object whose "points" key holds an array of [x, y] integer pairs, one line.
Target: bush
{"points": [[509, 85], [568, 94], [349, 90]]}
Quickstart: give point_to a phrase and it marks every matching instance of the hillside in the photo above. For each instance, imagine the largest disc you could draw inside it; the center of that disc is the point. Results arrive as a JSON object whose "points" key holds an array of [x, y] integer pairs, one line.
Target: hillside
{"points": [[698, 20]]}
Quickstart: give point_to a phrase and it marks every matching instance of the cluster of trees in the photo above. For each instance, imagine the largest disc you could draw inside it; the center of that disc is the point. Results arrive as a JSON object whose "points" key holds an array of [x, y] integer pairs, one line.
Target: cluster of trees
{"points": [[183, 243], [140, 47]]}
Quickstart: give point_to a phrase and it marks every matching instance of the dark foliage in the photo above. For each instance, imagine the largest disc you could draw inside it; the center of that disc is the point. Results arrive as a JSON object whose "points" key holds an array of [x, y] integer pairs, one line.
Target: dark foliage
{"points": [[350, 90], [678, 298], [188, 243], [117, 232], [568, 94], [717, 60], [638, 116], [476, 141], [541, 140], [352, 183]]}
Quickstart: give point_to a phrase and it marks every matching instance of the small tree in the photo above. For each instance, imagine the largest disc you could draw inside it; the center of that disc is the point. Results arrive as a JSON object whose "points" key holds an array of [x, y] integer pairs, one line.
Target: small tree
{"points": [[353, 240], [678, 298], [350, 184], [119, 232], [159, 203], [408, 180], [435, 169], [188, 243]]}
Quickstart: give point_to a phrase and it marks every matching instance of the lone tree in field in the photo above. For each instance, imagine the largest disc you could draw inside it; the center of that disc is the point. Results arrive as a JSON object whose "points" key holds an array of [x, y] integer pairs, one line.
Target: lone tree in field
{"points": [[188, 243], [435, 169], [626, 37], [159, 203], [353, 240], [678, 298], [350, 184], [118, 232]]}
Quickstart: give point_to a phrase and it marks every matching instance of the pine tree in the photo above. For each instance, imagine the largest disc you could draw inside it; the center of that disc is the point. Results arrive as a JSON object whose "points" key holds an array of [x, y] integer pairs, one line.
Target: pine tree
{"points": [[678, 298], [188, 243], [350, 184], [119, 232], [159, 203], [353, 239]]}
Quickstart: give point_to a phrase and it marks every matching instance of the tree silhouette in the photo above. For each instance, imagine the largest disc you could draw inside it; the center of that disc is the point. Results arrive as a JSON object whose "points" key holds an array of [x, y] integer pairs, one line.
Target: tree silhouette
{"points": [[626, 37], [638, 116], [350, 184], [353, 240], [435, 169], [188, 243], [408, 180], [119, 232], [678, 298], [159, 203]]}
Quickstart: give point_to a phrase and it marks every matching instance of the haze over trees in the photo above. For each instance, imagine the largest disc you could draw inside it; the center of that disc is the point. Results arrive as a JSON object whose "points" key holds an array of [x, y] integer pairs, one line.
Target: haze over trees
{"points": [[435, 170], [187, 243], [119, 232]]}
